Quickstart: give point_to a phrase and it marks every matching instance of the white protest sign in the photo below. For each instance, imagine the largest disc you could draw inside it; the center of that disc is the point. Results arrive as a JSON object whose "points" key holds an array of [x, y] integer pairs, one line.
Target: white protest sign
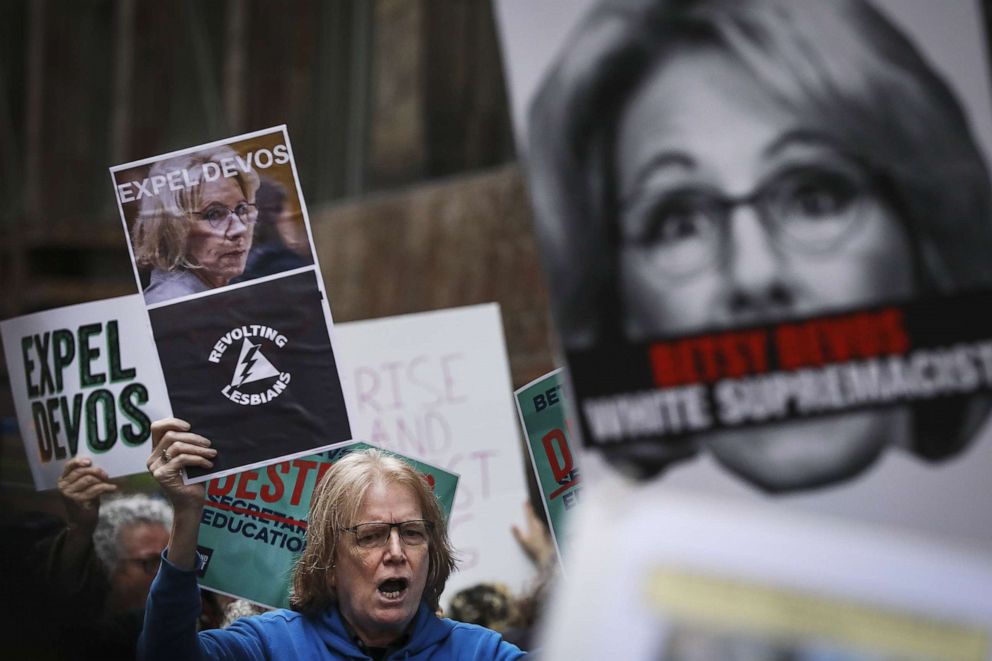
{"points": [[662, 573], [436, 387], [86, 382]]}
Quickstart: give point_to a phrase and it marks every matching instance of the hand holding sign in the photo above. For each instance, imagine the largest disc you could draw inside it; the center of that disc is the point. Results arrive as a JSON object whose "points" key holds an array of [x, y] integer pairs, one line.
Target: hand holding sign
{"points": [[81, 486], [175, 447]]}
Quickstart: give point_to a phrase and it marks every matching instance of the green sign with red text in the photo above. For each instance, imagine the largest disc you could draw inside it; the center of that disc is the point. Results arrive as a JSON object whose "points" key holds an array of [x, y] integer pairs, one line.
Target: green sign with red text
{"points": [[254, 524], [541, 407]]}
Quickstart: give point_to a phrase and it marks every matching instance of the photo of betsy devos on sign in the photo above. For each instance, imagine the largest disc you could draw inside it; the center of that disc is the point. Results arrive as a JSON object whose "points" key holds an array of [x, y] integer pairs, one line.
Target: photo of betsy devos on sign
{"points": [[722, 163], [195, 238]]}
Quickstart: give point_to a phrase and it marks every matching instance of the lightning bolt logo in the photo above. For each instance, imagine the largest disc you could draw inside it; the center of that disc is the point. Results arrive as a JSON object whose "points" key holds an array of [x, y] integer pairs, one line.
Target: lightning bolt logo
{"points": [[244, 367], [252, 366]]}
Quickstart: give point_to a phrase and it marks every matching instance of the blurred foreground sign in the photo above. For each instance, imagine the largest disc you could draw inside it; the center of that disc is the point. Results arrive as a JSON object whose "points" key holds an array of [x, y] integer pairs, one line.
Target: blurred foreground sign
{"points": [[674, 577]]}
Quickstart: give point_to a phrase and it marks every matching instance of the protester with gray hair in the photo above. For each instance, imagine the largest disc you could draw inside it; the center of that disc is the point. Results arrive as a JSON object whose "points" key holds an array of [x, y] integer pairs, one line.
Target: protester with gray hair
{"points": [[129, 537], [101, 565], [115, 544]]}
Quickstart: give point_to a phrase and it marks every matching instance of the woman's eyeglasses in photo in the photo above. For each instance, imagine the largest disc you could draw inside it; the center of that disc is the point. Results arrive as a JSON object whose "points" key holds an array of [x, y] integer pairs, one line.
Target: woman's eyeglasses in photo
{"points": [[810, 209], [219, 216]]}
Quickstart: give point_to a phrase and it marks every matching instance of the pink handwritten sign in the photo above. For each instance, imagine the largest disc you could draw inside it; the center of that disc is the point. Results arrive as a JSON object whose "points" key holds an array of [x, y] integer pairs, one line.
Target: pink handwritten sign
{"points": [[436, 387]]}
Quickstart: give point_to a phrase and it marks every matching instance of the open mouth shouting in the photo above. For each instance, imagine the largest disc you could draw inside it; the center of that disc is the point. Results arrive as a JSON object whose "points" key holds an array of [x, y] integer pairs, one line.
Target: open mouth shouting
{"points": [[393, 588]]}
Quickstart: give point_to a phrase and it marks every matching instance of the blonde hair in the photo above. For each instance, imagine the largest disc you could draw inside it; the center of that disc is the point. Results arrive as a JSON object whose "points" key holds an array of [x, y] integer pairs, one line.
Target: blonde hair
{"points": [[336, 502], [161, 231]]}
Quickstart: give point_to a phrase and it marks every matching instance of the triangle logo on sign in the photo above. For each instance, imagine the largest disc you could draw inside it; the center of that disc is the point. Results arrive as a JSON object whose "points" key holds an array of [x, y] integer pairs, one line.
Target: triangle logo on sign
{"points": [[252, 366]]}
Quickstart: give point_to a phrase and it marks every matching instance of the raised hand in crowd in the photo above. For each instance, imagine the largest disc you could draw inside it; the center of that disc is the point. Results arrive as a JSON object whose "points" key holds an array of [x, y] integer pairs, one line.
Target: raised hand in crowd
{"points": [[81, 487], [534, 538], [174, 447], [99, 568]]}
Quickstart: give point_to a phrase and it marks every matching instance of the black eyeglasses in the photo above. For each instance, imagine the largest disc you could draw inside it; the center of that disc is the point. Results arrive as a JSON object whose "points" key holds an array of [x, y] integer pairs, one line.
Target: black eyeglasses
{"points": [[376, 534], [148, 565], [808, 209], [219, 216]]}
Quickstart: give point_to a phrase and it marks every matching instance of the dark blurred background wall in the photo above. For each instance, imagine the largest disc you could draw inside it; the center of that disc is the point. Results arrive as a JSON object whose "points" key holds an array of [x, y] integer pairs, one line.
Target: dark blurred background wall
{"points": [[400, 125]]}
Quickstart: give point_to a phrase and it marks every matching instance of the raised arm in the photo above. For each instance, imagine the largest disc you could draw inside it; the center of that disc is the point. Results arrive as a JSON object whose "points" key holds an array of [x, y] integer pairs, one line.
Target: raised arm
{"points": [[72, 569], [81, 486], [175, 447], [534, 539], [174, 600]]}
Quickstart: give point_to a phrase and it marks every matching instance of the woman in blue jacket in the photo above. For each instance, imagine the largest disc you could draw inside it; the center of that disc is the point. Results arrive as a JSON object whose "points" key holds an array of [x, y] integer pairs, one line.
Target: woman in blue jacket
{"points": [[366, 587]]}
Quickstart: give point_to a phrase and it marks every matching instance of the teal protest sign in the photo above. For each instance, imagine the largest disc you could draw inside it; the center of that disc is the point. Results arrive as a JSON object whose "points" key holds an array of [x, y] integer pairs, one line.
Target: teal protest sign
{"points": [[254, 524], [541, 407]]}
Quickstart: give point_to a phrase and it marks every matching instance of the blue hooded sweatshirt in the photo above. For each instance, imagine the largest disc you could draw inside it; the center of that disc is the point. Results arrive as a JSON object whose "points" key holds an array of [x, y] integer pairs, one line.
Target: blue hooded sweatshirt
{"points": [[174, 605]]}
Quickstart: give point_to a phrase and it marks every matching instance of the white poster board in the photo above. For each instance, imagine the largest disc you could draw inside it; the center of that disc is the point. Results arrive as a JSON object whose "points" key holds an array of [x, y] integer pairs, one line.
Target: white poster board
{"points": [[675, 577], [86, 382], [436, 387]]}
